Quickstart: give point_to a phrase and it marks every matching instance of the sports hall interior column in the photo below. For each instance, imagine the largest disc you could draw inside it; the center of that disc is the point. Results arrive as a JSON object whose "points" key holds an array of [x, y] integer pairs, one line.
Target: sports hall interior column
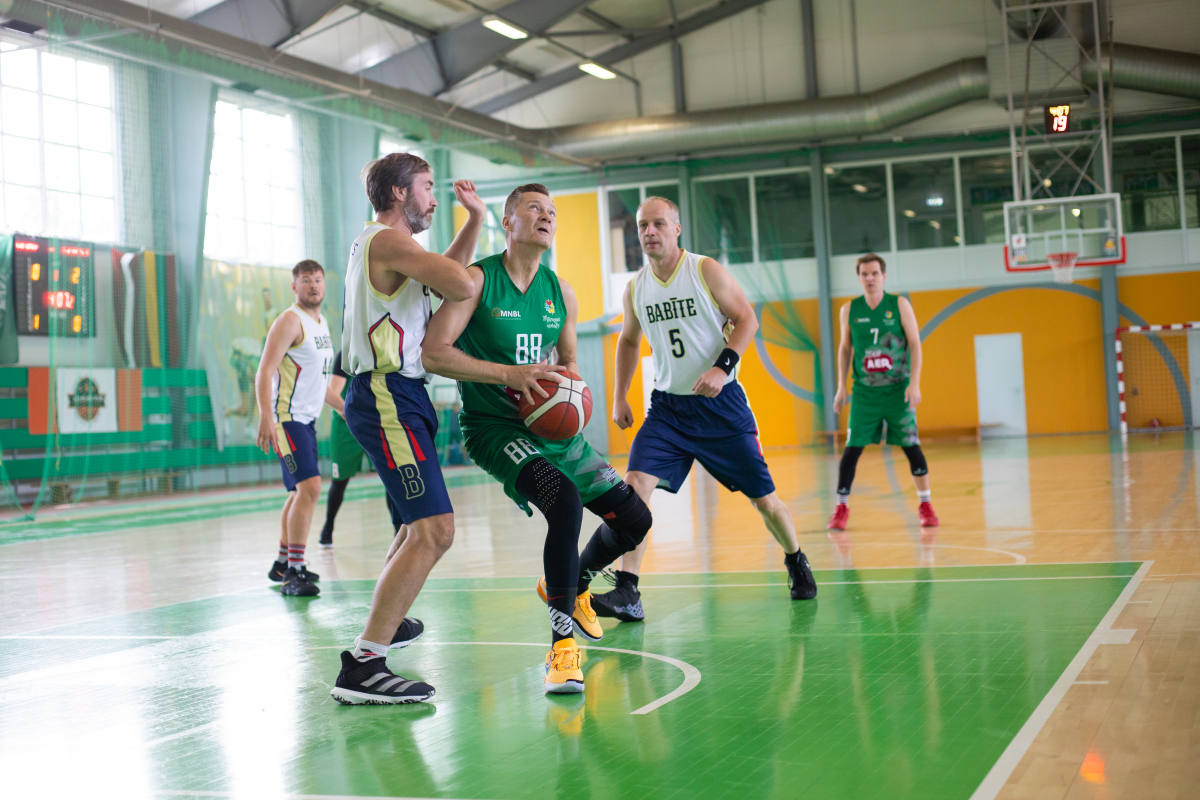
{"points": [[685, 204], [1109, 320], [442, 233]]}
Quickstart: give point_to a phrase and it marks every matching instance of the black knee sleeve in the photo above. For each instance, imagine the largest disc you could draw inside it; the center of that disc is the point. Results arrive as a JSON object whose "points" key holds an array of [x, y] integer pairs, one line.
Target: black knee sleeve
{"points": [[916, 460], [627, 519], [847, 468], [546, 488]]}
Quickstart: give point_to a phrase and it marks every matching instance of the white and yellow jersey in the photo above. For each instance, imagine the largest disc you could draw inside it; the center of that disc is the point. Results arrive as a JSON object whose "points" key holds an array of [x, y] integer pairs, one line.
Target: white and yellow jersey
{"points": [[381, 333], [682, 322], [298, 388]]}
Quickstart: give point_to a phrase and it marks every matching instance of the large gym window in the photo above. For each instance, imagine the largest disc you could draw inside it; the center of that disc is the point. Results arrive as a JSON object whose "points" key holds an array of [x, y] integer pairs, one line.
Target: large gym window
{"points": [[1190, 149], [722, 213], [858, 210], [56, 121], [986, 187], [784, 206], [926, 204], [254, 188], [1145, 173]]}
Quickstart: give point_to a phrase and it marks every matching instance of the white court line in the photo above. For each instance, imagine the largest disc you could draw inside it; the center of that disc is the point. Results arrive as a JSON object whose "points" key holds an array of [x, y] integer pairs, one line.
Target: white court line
{"points": [[181, 734], [122, 638], [1012, 755]]}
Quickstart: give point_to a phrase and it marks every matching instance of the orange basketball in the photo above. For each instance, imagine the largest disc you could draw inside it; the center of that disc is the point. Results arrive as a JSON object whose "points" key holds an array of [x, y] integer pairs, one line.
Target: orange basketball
{"points": [[564, 413]]}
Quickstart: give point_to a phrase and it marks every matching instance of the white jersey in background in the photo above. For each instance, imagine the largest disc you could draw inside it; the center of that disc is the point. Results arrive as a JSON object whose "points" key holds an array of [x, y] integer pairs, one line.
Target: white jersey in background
{"points": [[381, 333], [298, 388], [682, 322]]}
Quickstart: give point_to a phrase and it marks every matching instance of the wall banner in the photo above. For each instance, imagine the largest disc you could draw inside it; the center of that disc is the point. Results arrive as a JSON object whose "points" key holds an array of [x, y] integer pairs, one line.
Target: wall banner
{"points": [[86, 400]]}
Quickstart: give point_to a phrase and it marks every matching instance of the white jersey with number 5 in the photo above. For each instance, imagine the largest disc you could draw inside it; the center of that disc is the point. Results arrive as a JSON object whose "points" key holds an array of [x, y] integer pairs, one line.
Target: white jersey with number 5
{"points": [[682, 322], [381, 333]]}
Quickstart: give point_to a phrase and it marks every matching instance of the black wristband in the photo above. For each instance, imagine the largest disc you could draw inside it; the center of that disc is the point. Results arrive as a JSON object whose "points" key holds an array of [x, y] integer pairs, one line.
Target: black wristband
{"points": [[727, 360]]}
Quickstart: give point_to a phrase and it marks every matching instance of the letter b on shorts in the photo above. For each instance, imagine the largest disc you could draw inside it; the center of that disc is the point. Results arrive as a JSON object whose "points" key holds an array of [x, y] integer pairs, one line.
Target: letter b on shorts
{"points": [[413, 485]]}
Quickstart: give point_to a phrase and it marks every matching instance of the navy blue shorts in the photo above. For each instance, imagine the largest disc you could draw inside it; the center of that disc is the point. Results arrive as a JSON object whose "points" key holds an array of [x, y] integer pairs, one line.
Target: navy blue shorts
{"points": [[297, 452], [720, 432], [391, 417]]}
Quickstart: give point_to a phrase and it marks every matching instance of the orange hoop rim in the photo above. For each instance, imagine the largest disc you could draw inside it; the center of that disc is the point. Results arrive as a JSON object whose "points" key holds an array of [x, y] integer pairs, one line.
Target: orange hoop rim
{"points": [[1060, 260]]}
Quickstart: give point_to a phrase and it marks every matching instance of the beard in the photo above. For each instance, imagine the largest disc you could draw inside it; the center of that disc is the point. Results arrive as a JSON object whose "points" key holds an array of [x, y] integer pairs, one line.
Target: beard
{"points": [[416, 220], [308, 304]]}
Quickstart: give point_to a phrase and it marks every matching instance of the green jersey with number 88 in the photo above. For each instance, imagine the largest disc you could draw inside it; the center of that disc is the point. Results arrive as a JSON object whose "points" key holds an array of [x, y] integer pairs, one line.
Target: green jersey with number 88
{"points": [[508, 327], [880, 344]]}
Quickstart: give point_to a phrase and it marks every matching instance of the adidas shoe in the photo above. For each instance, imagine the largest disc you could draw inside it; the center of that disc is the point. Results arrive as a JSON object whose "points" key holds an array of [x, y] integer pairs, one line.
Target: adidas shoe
{"points": [[624, 602], [326, 539], [409, 631], [586, 623], [563, 675], [280, 568], [299, 583], [800, 577], [372, 683]]}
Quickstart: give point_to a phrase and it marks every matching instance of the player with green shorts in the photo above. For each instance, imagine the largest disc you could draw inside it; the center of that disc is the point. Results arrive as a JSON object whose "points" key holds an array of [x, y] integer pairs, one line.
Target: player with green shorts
{"points": [[881, 337], [498, 344]]}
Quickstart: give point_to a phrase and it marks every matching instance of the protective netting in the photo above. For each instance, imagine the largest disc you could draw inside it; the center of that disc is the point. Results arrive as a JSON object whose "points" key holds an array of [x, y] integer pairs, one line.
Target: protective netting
{"points": [[1159, 368]]}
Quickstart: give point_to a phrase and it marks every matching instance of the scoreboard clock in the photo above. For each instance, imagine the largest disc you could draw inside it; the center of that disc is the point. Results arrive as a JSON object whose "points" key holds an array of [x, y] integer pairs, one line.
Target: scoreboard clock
{"points": [[1057, 119], [54, 287]]}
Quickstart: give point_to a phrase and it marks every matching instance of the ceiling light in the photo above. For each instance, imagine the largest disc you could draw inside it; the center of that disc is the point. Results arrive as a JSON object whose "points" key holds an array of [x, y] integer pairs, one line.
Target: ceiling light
{"points": [[494, 23], [935, 200], [830, 170], [908, 212], [1046, 182], [933, 223], [858, 187], [597, 70], [1075, 212]]}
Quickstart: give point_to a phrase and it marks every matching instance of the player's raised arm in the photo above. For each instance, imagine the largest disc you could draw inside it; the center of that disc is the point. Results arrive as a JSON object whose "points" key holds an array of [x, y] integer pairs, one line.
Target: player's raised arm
{"points": [[629, 347], [732, 302], [908, 320], [285, 333], [462, 249], [844, 354]]}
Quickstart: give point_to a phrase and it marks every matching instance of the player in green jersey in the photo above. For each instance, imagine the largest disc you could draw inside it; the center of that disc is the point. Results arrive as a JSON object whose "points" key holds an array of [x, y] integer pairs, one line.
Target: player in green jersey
{"points": [[880, 335], [519, 327]]}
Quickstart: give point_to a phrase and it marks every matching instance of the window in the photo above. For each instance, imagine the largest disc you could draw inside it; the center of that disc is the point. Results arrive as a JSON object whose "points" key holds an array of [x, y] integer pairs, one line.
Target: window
{"points": [[784, 206], [858, 215], [254, 188], [59, 173], [723, 220], [1144, 172], [622, 229], [986, 187], [1191, 179], [926, 204], [1052, 176]]}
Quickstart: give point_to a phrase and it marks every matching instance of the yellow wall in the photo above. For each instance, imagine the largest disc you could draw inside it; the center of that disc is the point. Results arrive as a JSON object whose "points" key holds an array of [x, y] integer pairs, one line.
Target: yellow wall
{"points": [[577, 251]]}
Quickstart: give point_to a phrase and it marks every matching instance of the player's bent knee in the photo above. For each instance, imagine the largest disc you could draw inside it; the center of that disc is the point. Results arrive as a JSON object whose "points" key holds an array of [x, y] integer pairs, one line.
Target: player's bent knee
{"points": [[916, 460], [436, 533], [767, 504], [628, 518], [308, 491]]}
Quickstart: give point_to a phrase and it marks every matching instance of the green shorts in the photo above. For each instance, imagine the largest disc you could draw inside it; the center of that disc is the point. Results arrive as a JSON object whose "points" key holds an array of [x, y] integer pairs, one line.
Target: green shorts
{"points": [[503, 447], [344, 450], [871, 406]]}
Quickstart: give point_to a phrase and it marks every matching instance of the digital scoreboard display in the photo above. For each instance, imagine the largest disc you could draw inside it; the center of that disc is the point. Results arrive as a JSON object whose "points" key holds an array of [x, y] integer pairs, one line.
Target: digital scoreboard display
{"points": [[54, 283], [1058, 119]]}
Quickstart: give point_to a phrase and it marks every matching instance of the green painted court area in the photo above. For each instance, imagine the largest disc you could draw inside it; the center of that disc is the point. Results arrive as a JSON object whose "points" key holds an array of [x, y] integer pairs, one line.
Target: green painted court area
{"points": [[894, 683]]}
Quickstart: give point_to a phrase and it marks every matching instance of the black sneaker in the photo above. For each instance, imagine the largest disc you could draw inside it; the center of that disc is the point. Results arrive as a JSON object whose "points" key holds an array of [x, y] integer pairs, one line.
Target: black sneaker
{"points": [[800, 577], [299, 583], [409, 631], [624, 602], [326, 539], [372, 683], [280, 568]]}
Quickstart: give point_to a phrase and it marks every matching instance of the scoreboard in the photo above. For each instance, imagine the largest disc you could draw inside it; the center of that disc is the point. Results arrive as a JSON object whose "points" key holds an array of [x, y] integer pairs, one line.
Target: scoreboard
{"points": [[1057, 119], [54, 283]]}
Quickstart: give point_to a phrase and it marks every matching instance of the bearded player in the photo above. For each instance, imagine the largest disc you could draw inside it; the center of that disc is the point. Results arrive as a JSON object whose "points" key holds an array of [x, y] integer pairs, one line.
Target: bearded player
{"points": [[880, 335], [684, 304], [498, 344]]}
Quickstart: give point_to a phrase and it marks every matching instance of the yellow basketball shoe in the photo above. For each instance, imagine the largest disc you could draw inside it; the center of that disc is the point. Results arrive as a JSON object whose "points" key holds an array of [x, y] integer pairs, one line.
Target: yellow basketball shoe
{"points": [[586, 623], [563, 675]]}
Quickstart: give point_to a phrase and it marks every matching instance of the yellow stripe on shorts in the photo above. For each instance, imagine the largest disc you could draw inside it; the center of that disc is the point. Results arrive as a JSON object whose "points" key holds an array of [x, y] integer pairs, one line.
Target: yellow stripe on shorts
{"points": [[395, 438], [289, 371], [285, 448]]}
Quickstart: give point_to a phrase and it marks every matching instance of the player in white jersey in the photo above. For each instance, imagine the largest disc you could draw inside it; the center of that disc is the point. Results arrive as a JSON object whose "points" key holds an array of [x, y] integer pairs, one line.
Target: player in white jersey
{"points": [[292, 384], [698, 323], [388, 282]]}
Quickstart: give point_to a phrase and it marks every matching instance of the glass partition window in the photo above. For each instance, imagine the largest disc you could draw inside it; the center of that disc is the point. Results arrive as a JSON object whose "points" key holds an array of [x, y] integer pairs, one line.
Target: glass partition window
{"points": [[1051, 176], [784, 208], [622, 229], [1191, 179], [986, 187], [56, 121], [722, 216], [858, 210], [1145, 173], [926, 204], [254, 189], [667, 190]]}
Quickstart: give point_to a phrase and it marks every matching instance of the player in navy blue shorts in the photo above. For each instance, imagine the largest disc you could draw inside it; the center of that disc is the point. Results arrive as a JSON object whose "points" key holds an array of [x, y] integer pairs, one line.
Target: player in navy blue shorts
{"points": [[686, 305]]}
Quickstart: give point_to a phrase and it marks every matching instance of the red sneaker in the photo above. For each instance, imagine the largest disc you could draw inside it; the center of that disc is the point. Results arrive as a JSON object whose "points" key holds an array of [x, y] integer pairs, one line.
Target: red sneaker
{"points": [[840, 516], [928, 517]]}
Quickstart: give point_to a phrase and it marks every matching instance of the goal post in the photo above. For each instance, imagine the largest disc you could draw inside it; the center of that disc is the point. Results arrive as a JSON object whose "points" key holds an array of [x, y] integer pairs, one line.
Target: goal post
{"points": [[1158, 376]]}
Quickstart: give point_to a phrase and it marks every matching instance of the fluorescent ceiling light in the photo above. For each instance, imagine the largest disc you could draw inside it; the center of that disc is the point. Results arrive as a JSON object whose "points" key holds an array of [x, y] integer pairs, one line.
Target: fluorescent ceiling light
{"points": [[908, 212], [1075, 212], [933, 223], [933, 201], [597, 70], [858, 187], [494, 23]]}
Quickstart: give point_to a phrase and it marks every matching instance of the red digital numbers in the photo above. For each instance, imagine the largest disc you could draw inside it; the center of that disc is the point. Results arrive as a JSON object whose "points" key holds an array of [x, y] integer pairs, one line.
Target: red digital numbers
{"points": [[58, 300]]}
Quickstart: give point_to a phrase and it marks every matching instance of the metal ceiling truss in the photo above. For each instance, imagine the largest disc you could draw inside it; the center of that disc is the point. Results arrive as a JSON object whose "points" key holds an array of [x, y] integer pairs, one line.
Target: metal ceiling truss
{"points": [[266, 22]]}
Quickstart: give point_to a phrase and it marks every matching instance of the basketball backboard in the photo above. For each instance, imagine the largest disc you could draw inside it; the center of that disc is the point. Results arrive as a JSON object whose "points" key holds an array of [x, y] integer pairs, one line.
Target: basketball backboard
{"points": [[1089, 225]]}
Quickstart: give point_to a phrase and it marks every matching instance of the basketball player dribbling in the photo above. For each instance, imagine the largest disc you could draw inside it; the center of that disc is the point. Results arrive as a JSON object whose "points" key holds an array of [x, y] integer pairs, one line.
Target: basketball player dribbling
{"points": [[498, 344]]}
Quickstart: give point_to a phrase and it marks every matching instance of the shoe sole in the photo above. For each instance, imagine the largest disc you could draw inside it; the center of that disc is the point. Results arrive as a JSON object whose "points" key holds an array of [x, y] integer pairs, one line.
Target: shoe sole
{"points": [[398, 645], [625, 617], [324, 546], [569, 687], [349, 697], [812, 596], [313, 593]]}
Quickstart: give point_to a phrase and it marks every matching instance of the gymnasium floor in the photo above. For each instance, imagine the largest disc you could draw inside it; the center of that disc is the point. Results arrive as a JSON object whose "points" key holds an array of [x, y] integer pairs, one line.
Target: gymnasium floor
{"points": [[1043, 644]]}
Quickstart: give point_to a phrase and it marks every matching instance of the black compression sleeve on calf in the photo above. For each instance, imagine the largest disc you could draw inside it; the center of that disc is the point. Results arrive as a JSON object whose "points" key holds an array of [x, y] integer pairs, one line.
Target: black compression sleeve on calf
{"points": [[548, 490], [727, 360], [916, 460], [627, 520], [333, 501], [846, 469]]}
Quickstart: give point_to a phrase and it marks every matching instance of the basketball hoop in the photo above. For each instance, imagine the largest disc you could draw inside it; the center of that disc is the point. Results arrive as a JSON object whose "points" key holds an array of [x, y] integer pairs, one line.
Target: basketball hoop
{"points": [[1062, 265]]}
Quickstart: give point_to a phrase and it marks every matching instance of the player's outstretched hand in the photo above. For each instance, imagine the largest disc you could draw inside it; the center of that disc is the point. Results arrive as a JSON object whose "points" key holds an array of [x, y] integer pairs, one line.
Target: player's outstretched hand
{"points": [[266, 435], [464, 190], [524, 379], [839, 400], [912, 396], [710, 383], [622, 413]]}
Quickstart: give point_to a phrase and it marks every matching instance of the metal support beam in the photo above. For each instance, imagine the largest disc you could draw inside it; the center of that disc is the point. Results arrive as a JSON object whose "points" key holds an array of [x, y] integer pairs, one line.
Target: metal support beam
{"points": [[685, 204], [443, 221], [808, 26], [266, 23], [621, 52], [1109, 321], [677, 75], [824, 290]]}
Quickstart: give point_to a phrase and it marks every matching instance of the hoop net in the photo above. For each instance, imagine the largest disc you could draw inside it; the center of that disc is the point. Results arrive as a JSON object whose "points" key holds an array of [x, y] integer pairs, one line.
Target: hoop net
{"points": [[1063, 266]]}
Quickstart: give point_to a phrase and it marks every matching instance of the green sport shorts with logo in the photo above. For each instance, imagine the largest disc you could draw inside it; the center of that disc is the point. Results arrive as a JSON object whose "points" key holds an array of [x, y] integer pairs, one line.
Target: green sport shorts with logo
{"points": [[345, 453], [871, 406]]}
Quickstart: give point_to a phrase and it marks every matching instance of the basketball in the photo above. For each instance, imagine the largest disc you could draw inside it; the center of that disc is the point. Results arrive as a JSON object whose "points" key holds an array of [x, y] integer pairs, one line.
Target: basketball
{"points": [[564, 413]]}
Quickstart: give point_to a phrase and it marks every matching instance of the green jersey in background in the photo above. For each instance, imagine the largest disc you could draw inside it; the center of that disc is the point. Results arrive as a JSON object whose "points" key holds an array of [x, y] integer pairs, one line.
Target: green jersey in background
{"points": [[880, 345]]}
